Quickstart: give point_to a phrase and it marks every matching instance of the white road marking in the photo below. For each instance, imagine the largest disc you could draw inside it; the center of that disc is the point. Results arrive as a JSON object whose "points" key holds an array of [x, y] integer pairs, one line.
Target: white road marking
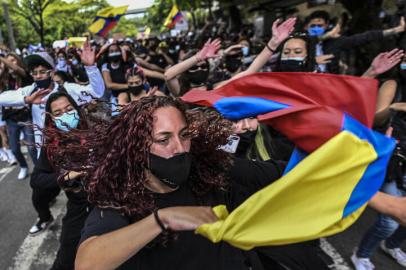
{"points": [[339, 262], [29, 251], [4, 172]]}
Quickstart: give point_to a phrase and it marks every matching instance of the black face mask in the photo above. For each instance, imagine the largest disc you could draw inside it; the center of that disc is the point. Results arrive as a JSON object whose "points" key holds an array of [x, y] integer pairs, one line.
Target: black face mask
{"points": [[173, 171], [136, 90], [246, 140], [233, 64], [44, 84], [115, 57], [198, 77], [291, 66]]}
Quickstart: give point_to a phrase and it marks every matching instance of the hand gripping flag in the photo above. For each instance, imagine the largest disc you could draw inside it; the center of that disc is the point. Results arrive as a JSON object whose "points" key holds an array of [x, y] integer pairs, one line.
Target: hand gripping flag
{"points": [[106, 19], [339, 163]]}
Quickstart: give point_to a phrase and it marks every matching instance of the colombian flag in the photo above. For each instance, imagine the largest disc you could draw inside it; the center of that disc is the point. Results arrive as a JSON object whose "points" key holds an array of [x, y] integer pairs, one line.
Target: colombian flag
{"points": [[106, 20], [338, 165], [174, 16]]}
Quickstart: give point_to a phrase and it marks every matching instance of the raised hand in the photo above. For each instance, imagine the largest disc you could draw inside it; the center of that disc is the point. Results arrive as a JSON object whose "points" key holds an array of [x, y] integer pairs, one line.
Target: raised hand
{"points": [[88, 55], [209, 50], [37, 96], [281, 31], [384, 62]]}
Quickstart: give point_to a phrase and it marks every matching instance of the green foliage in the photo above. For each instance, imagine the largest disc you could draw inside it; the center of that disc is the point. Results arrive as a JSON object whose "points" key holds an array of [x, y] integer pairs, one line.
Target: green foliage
{"points": [[60, 20]]}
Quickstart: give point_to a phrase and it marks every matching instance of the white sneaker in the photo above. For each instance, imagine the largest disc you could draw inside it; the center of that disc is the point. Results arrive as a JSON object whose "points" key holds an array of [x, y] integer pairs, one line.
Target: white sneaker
{"points": [[3, 155], [22, 174], [40, 226], [396, 253], [11, 158], [361, 263]]}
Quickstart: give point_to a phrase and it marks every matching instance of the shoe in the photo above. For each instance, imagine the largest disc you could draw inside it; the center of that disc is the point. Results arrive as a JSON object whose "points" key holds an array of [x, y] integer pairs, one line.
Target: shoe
{"points": [[361, 263], [395, 253], [22, 174], [3, 155], [11, 158], [40, 226]]}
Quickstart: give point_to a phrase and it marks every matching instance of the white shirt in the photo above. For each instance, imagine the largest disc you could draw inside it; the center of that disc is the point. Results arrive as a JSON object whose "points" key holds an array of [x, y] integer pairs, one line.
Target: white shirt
{"points": [[80, 93]]}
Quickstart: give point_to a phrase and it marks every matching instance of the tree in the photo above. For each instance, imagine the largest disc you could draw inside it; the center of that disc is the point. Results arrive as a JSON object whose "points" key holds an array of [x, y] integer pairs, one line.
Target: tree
{"points": [[33, 12], [55, 19]]}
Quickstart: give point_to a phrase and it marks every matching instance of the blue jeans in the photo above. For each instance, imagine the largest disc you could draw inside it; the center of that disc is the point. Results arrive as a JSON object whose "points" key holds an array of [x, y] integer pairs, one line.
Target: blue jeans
{"points": [[14, 131], [385, 228]]}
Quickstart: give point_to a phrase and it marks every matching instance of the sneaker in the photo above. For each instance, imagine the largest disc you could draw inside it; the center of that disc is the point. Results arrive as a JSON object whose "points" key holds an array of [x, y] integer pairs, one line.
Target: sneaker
{"points": [[40, 226], [361, 263], [11, 158], [3, 155], [395, 253], [22, 174]]}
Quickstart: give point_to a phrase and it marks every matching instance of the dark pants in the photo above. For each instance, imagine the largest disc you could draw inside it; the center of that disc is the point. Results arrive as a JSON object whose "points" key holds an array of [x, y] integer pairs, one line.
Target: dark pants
{"points": [[72, 225], [14, 131], [41, 199], [300, 256]]}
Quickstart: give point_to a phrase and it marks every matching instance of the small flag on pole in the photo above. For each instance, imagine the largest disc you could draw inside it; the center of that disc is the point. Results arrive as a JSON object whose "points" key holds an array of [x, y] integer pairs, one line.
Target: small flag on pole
{"points": [[174, 16], [106, 19]]}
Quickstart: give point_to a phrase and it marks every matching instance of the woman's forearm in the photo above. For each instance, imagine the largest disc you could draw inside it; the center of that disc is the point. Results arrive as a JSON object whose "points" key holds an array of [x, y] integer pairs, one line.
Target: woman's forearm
{"points": [[110, 250]]}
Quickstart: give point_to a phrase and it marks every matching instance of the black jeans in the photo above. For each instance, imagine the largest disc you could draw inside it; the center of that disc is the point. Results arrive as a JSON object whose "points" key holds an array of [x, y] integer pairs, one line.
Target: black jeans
{"points": [[41, 199], [72, 225]]}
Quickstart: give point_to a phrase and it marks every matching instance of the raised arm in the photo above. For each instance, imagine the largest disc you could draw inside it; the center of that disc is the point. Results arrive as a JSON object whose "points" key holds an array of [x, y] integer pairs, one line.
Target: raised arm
{"points": [[384, 62], [96, 84], [279, 33], [208, 51]]}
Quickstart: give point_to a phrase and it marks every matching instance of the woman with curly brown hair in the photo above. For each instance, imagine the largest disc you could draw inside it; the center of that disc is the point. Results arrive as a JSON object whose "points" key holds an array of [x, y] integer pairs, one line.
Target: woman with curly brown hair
{"points": [[153, 174]]}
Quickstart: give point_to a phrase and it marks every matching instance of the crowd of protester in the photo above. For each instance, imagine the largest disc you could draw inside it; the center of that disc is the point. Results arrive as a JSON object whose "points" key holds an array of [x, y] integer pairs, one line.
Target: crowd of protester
{"points": [[103, 124]]}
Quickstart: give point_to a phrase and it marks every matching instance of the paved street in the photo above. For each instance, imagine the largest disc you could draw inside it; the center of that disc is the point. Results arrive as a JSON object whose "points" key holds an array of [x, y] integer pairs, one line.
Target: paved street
{"points": [[19, 251]]}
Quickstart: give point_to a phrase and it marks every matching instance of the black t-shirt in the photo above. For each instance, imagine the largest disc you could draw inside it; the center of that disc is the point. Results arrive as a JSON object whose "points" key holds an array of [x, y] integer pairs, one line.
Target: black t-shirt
{"points": [[118, 75], [191, 251]]}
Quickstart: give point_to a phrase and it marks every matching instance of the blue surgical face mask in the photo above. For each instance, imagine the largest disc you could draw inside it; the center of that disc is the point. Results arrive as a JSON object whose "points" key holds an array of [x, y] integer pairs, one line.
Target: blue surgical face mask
{"points": [[245, 51], [75, 62], [61, 62], [316, 31], [67, 121], [403, 66]]}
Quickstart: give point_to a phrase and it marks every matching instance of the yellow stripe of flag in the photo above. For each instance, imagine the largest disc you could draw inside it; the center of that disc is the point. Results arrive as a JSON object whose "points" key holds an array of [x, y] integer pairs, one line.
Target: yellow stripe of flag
{"points": [[307, 203]]}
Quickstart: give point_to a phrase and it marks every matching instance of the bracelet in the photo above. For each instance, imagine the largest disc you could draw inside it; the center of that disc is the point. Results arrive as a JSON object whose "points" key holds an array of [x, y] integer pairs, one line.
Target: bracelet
{"points": [[270, 49], [158, 221]]}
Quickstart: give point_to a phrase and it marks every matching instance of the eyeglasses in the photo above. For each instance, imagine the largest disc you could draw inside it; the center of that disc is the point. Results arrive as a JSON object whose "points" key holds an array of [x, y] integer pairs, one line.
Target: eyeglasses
{"points": [[40, 72]]}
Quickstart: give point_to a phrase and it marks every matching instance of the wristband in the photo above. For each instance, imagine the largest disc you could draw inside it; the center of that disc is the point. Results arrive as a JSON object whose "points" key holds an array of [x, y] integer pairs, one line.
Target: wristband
{"points": [[158, 221], [270, 49]]}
